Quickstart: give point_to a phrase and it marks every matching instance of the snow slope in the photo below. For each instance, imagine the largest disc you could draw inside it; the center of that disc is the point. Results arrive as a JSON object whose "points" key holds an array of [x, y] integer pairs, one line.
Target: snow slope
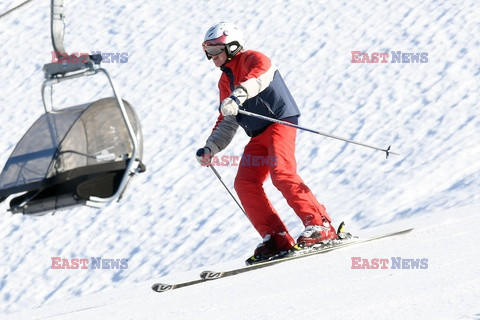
{"points": [[176, 217], [322, 286]]}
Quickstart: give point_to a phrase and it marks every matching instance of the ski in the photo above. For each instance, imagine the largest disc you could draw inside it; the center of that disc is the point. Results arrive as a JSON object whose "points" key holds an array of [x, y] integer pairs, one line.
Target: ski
{"points": [[162, 287], [214, 275]]}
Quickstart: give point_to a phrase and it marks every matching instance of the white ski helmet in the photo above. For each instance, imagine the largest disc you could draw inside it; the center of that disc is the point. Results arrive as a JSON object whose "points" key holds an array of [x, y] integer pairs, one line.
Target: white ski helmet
{"points": [[225, 33]]}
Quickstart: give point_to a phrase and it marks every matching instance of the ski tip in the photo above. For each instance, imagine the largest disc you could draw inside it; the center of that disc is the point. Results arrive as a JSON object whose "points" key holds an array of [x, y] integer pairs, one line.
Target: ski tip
{"points": [[161, 287]]}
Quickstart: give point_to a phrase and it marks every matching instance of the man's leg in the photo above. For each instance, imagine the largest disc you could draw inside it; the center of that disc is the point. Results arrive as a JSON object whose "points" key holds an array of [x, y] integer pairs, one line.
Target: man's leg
{"points": [[249, 186], [285, 178]]}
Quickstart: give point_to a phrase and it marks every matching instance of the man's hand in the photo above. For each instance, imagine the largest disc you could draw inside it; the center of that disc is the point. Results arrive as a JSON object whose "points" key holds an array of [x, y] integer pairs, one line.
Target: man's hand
{"points": [[204, 156], [229, 106]]}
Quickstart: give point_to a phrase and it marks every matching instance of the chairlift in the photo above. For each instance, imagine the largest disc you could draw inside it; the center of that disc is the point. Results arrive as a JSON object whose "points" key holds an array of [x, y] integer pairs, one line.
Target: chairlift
{"points": [[80, 155]]}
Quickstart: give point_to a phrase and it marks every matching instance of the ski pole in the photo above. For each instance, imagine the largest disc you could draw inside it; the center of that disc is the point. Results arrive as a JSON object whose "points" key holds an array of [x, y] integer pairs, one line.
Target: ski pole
{"points": [[228, 189], [251, 114]]}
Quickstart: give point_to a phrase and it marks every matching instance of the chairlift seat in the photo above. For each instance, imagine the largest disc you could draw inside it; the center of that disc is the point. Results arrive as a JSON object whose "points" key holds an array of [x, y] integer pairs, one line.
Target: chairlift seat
{"points": [[70, 157]]}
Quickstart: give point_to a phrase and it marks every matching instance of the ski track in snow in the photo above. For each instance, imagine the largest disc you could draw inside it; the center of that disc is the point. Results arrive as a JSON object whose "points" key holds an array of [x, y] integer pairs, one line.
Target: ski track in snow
{"points": [[176, 216]]}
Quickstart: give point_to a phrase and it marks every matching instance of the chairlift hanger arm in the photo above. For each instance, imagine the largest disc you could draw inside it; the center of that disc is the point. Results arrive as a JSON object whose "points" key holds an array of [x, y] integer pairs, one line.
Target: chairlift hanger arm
{"points": [[57, 30], [58, 26]]}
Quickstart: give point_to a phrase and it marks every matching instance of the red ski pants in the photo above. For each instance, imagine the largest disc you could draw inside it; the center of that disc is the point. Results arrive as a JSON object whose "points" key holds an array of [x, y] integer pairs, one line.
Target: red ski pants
{"points": [[273, 153]]}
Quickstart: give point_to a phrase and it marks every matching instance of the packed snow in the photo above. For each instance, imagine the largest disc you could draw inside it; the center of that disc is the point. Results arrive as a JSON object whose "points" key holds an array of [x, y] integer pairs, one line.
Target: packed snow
{"points": [[176, 219], [428, 274]]}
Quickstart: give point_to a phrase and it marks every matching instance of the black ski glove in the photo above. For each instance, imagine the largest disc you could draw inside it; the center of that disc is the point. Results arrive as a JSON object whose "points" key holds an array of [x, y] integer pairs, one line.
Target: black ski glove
{"points": [[204, 156]]}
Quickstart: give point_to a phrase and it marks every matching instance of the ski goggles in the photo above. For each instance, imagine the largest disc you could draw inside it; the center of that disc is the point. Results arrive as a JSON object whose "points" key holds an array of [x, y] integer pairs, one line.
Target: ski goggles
{"points": [[213, 50]]}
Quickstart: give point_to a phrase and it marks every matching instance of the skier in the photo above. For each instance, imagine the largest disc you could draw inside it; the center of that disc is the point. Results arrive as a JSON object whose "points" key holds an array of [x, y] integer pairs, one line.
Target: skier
{"points": [[251, 82]]}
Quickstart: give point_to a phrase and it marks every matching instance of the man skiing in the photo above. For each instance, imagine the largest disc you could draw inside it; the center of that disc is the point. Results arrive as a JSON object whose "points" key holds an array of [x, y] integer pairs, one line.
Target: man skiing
{"points": [[250, 82]]}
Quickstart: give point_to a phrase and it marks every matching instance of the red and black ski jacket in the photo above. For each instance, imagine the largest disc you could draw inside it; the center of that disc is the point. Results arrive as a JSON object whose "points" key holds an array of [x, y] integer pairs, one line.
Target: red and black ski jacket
{"points": [[267, 93]]}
